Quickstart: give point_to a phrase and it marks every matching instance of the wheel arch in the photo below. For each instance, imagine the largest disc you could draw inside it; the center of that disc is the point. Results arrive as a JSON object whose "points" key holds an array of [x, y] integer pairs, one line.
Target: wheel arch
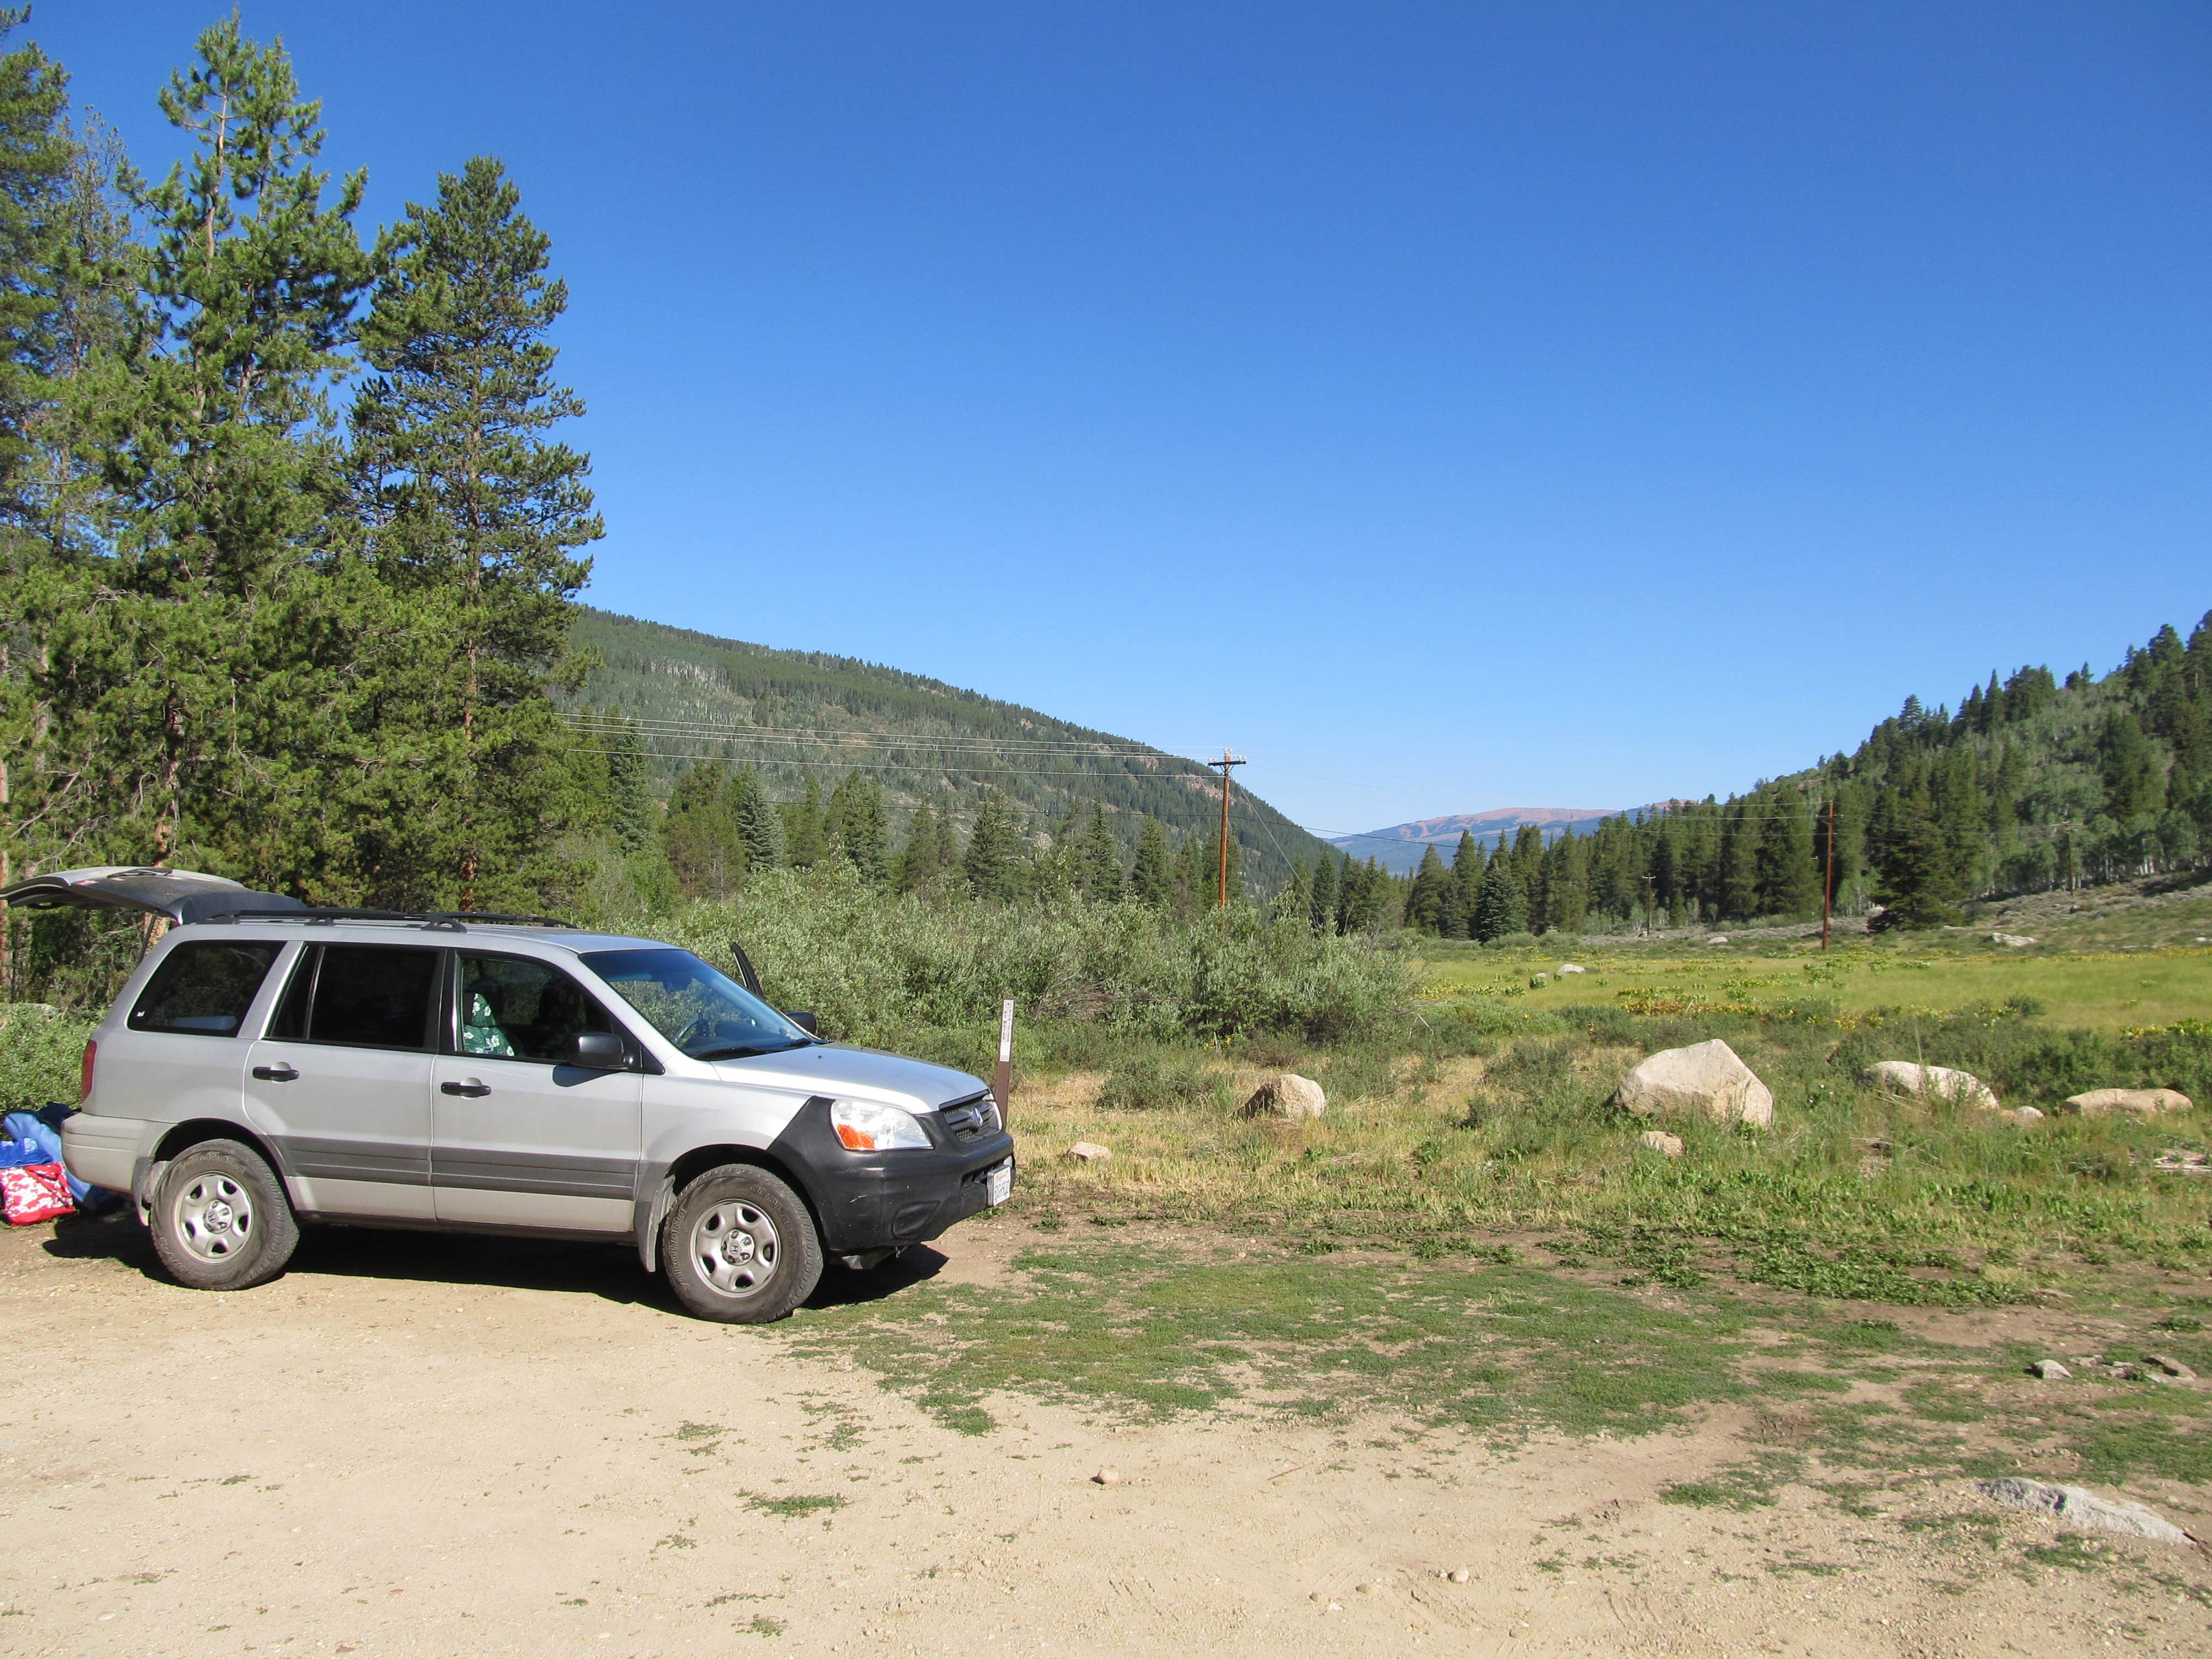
{"points": [[653, 1206], [183, 1137]]}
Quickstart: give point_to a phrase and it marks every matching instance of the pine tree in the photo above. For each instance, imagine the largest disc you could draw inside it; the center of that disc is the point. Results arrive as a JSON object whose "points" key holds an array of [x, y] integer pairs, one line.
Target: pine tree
{"points": [[2134, 780], [1467, 867], [857, 828], [629, 783], [1195, 878], [1429, 897], [921, 862], [1102, 860], [1501, 907], [1151, 878], [37, 160], [699, 836], [805, 835], [205, 708], [473, 512], [759, 822], [1323, 912], [1788, 883], [993, 861]]}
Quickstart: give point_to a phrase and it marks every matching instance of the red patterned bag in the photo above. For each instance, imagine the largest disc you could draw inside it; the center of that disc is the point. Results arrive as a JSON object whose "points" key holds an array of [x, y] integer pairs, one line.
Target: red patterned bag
{"points": [[34, 1192]]}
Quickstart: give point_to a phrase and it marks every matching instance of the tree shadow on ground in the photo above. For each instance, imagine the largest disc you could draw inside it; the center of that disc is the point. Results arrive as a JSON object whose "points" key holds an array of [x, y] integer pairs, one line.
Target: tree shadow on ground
{"points": [[610, 1271]]}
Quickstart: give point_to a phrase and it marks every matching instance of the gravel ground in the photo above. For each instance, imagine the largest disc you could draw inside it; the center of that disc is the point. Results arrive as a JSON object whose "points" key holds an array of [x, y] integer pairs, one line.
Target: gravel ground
{"points": [[421, 1445]]}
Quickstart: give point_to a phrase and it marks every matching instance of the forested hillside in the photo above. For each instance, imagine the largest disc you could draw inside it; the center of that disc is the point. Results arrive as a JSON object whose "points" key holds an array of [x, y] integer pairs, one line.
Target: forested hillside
{"points": [[800, 719], [2032, 783]]}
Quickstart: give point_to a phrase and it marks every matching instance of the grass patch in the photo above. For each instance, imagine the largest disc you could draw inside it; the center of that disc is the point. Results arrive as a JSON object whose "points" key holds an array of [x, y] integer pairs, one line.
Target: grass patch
{"points": [[796, 1507], [1148, 1333]]}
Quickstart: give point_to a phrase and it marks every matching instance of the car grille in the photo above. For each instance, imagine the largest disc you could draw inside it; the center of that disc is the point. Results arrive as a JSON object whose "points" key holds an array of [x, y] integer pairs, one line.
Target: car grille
{"points": [[971, 1118]]}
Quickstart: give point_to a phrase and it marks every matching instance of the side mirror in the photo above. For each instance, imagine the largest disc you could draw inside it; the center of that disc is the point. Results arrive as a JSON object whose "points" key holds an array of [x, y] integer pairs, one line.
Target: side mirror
{"points": [[803, 1018], [597, 1051]]}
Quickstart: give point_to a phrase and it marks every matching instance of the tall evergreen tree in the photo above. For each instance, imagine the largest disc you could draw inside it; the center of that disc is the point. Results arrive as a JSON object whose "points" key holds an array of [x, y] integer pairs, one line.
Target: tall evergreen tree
{"points": [[2134, 779], [700, 836], [1151, 878], [203, 708], [1101, 859], [759, 824], [858, 828], [1323, 903], [921, 863], [1428, 900], [475, 515], [1501, 905], [993, 861], [629, 783], [805, 837]]}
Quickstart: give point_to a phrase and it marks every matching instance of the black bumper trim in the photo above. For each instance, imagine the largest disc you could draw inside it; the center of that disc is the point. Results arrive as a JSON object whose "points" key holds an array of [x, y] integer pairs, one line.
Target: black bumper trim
{"points": [[887, 1201]]}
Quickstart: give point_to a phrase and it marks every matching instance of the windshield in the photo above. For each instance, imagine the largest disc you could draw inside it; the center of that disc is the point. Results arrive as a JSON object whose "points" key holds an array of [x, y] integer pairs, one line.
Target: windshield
{"points": [[705, 1013]]}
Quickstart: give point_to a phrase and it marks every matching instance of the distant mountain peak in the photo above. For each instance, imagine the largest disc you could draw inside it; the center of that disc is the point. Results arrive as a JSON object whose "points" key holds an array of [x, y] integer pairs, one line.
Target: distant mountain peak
{"points": [[1400, 847]]}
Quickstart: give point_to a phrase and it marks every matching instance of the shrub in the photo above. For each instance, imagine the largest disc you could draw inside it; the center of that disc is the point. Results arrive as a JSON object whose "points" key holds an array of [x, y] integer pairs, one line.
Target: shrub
{"points": [[1146, 1082], [902, 971], [39, 1055]]}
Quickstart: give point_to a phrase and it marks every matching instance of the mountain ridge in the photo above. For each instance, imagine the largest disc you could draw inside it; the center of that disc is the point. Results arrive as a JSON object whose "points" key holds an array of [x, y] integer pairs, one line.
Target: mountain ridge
{"points": [[1399, 846], [796, 715]]}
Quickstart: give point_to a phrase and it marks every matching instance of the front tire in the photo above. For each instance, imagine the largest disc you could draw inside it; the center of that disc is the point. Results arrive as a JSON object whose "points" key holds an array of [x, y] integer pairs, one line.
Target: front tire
{"points": [[740, 1247], [220, 1221]]}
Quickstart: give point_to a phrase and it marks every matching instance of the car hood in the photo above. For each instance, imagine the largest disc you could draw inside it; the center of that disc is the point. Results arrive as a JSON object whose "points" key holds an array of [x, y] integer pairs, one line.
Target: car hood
{"points": [[854, 1073]]}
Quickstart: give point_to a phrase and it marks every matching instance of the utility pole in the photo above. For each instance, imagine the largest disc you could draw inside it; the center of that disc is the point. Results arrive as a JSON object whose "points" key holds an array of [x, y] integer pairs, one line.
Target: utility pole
{"points": [[1226, 760], [1828, 882]]}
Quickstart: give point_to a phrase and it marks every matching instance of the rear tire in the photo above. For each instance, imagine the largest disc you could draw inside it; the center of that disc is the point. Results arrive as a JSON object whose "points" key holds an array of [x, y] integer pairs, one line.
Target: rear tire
{"points": [[221, 1219], [740, 1247]]}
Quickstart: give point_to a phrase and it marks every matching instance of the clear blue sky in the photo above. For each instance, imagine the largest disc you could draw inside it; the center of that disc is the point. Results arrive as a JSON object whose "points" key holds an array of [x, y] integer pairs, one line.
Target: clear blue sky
{"points": [[1452, 406]]}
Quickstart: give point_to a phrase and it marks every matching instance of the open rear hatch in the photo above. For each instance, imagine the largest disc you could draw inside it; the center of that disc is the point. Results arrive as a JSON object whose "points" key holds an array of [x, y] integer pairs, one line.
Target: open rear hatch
{"points": [[182, 896]]}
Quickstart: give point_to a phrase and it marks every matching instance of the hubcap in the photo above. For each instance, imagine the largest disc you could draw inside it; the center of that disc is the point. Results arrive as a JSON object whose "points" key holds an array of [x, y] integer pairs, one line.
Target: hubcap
{"points": [[736, 1247], [214, 1217]]}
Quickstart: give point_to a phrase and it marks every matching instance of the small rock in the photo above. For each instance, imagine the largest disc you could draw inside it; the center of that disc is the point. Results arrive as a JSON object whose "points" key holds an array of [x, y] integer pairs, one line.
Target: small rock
{"points": [[2171, 1367], [2125, 1372], [2049, 1370], [2012, 939], [2079, 1507], [1362, 1589], [2183, 1161], [1088, 1152], [1718, 938], [1661, 1142], [1902, 1077], [2145, 1103], [2020, 1113], [1108, 1475], [1705, 1076], [1566, 968], [1288, 1095], [1457, 1575]]}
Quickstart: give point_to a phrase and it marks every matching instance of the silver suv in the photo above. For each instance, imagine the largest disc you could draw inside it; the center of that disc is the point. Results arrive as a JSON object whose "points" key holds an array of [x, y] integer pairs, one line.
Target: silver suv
{"points": [[263, 1068]]}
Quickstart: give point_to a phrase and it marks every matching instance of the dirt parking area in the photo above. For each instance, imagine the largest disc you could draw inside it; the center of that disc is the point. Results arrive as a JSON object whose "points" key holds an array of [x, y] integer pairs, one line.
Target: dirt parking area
{"points": [[421, 1445]]}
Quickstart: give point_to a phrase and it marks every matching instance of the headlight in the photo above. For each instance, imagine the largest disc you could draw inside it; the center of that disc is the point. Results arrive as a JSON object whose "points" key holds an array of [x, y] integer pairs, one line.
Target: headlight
{"points": [[863, 1126]]}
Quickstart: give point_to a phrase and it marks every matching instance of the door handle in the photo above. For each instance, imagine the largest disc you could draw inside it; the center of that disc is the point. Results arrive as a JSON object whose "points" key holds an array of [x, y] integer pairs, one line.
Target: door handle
{"points": [[472, 1088], [275, 1074]]}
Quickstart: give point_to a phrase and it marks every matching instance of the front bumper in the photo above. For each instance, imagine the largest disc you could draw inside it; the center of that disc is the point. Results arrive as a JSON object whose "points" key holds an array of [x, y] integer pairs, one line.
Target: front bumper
{"points": [[887, 1201]]}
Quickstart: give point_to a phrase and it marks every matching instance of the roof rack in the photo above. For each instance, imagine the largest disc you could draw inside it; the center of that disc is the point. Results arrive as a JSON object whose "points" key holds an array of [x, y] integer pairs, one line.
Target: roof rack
{"points": [[451, 921]]}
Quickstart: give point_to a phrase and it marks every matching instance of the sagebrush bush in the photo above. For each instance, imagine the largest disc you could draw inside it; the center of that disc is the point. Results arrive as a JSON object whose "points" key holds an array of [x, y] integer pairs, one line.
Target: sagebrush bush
{"points": [[904, 971], [1148, 1082], [39, 1055]]}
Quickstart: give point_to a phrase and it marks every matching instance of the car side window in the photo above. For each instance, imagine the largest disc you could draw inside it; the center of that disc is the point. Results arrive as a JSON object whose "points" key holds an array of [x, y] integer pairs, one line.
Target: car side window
{"points": [[515, 1008], [290, 1023], [204, 987], [373, 996]]}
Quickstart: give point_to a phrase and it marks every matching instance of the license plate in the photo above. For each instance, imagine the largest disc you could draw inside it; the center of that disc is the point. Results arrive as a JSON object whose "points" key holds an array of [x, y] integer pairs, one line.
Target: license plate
{"points": [[999, 1184]]}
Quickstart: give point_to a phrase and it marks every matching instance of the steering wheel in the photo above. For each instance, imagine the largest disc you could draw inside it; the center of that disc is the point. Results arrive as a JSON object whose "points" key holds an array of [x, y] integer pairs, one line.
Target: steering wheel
{"points": [[682, 1038]]}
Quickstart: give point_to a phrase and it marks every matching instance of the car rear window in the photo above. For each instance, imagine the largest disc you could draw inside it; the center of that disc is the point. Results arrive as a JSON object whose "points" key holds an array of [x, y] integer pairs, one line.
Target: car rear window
{"points": [[373, 996], [204, 987]]}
